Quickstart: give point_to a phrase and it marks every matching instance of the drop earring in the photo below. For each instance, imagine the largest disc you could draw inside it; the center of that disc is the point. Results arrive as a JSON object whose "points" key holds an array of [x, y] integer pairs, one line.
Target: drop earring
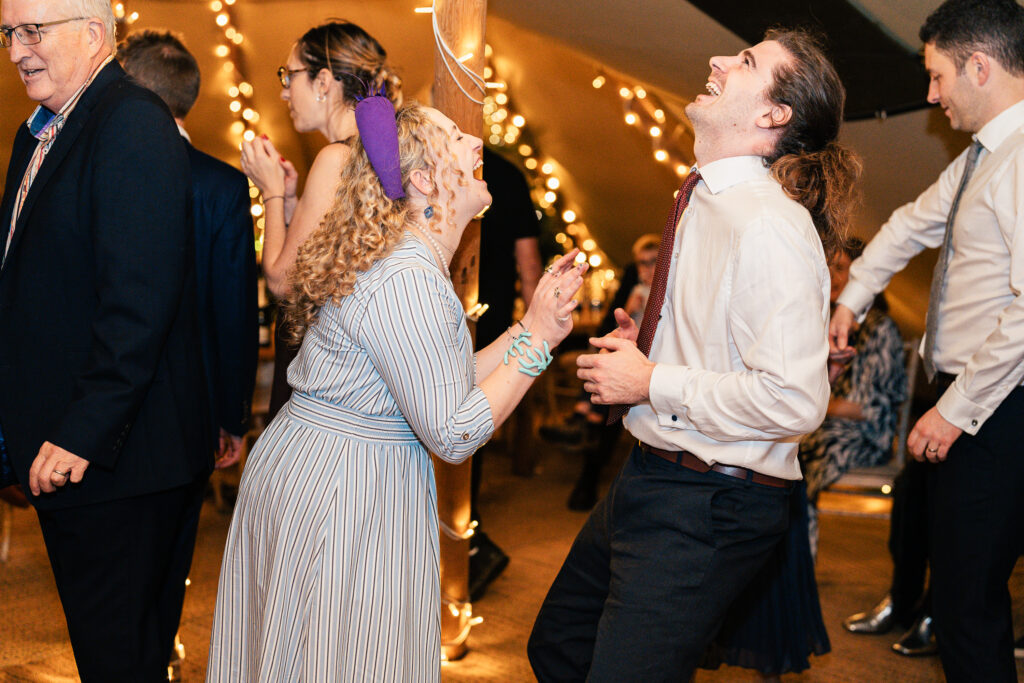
{"points": [[428, 212], [320, 97]]}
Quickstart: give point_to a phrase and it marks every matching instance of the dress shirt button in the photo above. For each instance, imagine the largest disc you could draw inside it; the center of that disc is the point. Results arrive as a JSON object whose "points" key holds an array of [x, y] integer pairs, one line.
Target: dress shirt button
{"points": [[974, 423], [465, 436], [674, 418]]}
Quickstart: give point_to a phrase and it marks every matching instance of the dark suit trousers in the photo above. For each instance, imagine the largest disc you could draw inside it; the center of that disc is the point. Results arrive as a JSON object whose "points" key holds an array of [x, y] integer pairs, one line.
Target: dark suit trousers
{"points": [[650, 576], [908, 542], [120, 568], [977, 532]]}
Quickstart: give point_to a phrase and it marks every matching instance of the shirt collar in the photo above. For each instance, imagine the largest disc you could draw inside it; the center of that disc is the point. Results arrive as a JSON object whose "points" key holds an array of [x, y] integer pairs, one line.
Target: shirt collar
{"points": [[1008, 121], [724, 173], [183, 132], [42, 118]]}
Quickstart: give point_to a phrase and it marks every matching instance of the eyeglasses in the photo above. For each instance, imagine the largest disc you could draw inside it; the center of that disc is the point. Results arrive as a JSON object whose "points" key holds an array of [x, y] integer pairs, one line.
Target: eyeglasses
{"points": [[29, 34], [285, 74]]}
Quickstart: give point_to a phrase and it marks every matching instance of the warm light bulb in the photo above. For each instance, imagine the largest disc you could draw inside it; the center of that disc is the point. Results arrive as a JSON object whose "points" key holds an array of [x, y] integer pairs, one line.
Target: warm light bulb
{"points": [[494, 139], [609, 274], [222, 19], [237, 39], [221, 50], [245, 88], [518, 121], [229, 2], [465, 58], [553, 183], [640, 93], [659, 115], [233, 91], [530, 163], [235, 106], [589, 244], [237, 128], [488, 51], [661, 155], [488, 72], [248, 114], [525, 150], [561, 238], [598, 81], [501, 98], [568, 215], [655, 132], [547, 168], [423, 10], [630, 118], [580, 257], [550, 197], [595, 260], [256, 210], [625, 92], [682, 169], [495, 128], [229, 32], [229, 67], [248, 135], [510, 136]]}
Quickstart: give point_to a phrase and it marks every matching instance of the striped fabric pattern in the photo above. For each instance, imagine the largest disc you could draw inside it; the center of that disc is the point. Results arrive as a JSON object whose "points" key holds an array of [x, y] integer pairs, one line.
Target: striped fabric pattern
{"points": [[331, 567]]}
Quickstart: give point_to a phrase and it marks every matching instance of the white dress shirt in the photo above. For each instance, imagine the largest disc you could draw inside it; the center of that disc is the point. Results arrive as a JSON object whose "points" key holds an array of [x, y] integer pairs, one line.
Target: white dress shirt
{"points": [[741, 348], [980, 334]]}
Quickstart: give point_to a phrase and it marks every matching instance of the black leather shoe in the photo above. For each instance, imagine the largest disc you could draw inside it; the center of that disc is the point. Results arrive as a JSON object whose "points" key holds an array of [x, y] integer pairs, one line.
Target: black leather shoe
{"points": [[918, 641], [486, 562], [878, 620]]}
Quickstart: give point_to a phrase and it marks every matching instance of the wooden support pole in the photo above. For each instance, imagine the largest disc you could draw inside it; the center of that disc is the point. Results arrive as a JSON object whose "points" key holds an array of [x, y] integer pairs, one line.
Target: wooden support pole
{"points": [[462, 25]]}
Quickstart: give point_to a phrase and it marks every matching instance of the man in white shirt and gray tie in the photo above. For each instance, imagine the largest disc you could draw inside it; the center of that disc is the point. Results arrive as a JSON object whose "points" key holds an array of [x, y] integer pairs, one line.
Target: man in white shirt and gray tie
{"points": [[726, 372], [974, 342]]}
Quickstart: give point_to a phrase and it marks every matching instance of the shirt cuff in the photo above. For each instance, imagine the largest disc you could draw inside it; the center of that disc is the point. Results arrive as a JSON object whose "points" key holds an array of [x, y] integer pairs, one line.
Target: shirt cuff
{"points": [[857, 298], [962, 412], [666, 390]]}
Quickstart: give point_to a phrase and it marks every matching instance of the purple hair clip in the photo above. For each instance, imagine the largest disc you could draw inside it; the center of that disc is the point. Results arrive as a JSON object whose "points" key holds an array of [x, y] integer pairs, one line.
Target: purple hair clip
{"points": [[378, 131]]}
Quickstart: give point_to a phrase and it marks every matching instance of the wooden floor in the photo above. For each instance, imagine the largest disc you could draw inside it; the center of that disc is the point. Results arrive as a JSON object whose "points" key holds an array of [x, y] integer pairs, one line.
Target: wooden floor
{"points": [[528, 518]]}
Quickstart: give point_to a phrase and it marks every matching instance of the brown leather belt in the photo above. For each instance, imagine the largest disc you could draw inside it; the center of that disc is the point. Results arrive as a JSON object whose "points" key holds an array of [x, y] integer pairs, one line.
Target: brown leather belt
{"points": [[692, 462]]}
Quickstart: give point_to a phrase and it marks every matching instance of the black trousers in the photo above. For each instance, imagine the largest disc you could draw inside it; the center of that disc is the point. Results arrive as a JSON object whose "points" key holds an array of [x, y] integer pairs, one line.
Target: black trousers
{"points": [[908, 542], [977, 532], [120, 568], [650, 576]]}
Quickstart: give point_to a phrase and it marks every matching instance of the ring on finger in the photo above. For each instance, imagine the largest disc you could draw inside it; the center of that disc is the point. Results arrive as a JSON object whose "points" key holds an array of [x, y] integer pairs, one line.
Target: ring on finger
{"points": [[932, 450], [558, 292], [563, 320], [549, 270]]}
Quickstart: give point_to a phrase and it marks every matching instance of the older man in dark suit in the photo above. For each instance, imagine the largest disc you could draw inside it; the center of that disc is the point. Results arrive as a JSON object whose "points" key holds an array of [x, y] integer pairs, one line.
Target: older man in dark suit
{"points": [[102, 400]]}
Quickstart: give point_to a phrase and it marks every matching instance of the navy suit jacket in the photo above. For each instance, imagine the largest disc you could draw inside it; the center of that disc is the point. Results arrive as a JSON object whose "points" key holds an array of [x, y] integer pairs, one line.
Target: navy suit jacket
{"points": [[99, 345], [226, 279]]}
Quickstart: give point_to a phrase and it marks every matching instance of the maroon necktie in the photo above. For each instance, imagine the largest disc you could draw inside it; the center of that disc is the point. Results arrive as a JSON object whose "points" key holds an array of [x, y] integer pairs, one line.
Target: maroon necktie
{"points": [[652, 312]]}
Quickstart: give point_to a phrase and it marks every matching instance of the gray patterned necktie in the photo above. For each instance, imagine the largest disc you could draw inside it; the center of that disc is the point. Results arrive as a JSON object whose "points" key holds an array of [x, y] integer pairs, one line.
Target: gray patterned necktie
{"points": [[942, 265]]}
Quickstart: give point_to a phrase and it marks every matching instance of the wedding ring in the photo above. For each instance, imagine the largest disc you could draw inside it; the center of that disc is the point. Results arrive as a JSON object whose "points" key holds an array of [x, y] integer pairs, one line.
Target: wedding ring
{"points": [[549, 270], [63, 474], [563, 320], [932, 450]]}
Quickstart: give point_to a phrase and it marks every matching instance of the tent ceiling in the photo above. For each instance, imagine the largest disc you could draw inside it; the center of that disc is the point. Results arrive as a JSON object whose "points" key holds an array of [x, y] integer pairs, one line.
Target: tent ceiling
{"points": [[549, 52]]}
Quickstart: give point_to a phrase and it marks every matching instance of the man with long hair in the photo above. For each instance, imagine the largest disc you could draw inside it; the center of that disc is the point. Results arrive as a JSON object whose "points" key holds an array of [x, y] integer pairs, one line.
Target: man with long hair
{"points": [[727, 369]]}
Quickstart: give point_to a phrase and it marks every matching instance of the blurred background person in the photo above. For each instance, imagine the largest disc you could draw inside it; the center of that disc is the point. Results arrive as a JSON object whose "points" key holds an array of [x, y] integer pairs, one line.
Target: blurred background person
{"points": [[327, 69], [509, 253], [869, 382], [226, 273]]}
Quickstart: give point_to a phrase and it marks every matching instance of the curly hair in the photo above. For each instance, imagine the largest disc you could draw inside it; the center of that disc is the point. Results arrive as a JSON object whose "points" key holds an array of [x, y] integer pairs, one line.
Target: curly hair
{"points": [[363, 225]]}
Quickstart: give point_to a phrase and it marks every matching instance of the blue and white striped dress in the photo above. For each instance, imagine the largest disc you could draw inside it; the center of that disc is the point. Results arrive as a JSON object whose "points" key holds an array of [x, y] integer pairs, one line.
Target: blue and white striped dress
{"points": [[331, 567]]}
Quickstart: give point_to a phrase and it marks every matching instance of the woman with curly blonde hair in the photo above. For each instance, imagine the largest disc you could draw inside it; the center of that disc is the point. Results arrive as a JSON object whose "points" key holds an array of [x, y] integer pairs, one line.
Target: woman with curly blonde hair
{"points": [[331, 566]]}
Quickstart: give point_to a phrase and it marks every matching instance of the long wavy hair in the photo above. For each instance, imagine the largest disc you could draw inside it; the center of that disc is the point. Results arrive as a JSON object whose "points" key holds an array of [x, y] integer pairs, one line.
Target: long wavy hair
{"points": [[363, 225], [811, 165]]}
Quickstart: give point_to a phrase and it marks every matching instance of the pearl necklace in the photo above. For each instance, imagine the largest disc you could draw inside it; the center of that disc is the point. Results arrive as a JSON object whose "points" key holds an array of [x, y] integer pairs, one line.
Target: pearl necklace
{"points": [[435, 245]]}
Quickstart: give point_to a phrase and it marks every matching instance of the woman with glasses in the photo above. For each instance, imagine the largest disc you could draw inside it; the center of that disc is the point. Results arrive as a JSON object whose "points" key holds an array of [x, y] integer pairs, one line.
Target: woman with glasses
{"points": [[327, 69]]}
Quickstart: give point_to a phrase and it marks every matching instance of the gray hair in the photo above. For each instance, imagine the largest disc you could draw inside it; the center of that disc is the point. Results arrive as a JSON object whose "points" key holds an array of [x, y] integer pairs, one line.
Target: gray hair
{"points": [[100, 9]]}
